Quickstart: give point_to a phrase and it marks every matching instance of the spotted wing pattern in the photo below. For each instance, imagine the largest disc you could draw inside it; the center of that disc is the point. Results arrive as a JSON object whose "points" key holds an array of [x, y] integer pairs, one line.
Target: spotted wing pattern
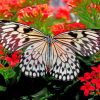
{"points": [[15, 36], [34, 59], [65, 65]]}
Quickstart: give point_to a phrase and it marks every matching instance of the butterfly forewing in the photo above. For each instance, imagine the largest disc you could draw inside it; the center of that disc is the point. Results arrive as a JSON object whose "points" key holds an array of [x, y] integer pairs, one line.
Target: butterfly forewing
{"points": [[83, 42], [15, 36]]}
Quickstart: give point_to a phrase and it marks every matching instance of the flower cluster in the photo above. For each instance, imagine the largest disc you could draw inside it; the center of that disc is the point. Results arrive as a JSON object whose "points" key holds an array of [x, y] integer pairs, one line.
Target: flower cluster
{"points": [[9, 7], [9, 60], [63, 27], [29, 15], [91, 82]]}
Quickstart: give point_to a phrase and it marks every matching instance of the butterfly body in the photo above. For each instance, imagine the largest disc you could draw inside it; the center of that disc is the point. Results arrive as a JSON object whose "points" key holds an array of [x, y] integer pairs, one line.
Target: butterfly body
{"points": [[46, 54]]}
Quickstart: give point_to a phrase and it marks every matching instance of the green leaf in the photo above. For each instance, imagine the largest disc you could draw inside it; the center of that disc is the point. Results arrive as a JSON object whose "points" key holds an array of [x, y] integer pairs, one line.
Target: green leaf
{"points": [[7, 73], [42, 95], [18, 72], [91, 99], [70, 86], [96, 1], [90, 19], [40, 2], [77, 97], [2, 88], [88, 61]]}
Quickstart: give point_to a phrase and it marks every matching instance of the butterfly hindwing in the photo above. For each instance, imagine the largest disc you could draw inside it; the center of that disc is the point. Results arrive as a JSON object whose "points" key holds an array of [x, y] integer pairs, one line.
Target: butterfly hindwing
{"points": [[65, 65], [33, 61]]}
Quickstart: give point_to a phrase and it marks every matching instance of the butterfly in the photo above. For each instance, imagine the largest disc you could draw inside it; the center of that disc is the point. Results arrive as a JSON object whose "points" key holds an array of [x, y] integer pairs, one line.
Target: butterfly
{"points": [[46, 54]]}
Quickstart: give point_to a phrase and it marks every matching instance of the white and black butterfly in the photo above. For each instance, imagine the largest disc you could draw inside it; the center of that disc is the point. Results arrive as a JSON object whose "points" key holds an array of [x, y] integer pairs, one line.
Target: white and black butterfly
{"points": [[43, 54]]}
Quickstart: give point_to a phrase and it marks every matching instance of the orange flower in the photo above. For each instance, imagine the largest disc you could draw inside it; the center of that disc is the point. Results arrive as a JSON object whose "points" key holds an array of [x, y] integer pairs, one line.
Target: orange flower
{"points": [[93, 6], [58, 28], [4, 9], [72, 3], [8, 6], [29, 14]]}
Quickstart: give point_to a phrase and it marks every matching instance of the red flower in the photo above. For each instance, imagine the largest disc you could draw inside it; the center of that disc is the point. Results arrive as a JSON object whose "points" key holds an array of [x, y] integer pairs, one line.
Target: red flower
{"points": [[4, 9], [87, 88], [75, 25], [63, 27], [27, 15], [98, 85], [93, 74], [58, 28], [91, 80], [96, 69], [62, 12], [14, 59], [86, 77]]}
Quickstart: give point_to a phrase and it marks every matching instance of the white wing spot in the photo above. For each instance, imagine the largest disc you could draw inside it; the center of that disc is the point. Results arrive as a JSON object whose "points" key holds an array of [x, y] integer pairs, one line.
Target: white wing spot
{"points": [[34, 74], [23, 69], [26, 73]]}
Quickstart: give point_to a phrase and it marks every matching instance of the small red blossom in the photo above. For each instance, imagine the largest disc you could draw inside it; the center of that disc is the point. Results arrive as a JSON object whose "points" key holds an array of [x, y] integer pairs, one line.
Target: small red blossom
{"points": [[98, 85], [91, 81], [87, 88], [86, 77], [58, 28], [96, 69], [62, 12], [14, 59], [76, 25]]}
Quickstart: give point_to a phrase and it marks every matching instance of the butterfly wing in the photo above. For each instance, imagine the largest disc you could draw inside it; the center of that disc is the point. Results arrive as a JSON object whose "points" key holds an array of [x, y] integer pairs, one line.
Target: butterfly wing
{"points": [[65, 65], [83, 42], [15, 36], [34, 59]]}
